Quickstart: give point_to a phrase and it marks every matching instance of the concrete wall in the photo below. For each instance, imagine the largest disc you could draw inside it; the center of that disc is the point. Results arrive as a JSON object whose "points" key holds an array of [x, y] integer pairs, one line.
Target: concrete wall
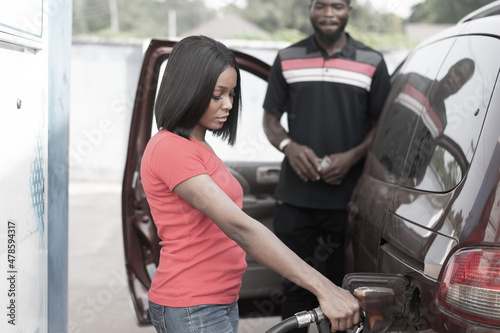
{"points": [[103, 84]]}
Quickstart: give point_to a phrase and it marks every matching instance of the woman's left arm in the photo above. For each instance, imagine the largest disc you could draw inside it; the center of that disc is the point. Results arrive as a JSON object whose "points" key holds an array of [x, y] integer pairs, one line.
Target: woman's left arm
{"points": [[262, 245]]}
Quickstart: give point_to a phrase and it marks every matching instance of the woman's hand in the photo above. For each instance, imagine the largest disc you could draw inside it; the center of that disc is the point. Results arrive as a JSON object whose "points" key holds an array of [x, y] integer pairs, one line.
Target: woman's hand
{"points": [[340, 307]]}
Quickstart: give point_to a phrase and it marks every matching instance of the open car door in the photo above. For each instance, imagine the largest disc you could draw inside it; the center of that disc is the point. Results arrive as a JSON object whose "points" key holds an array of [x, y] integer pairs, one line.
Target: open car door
{"points": [[257, 174]]}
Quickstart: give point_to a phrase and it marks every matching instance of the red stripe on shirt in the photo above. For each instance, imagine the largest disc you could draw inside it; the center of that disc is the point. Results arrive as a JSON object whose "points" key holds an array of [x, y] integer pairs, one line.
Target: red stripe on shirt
{"points": [[415, 93], [344, 64]]}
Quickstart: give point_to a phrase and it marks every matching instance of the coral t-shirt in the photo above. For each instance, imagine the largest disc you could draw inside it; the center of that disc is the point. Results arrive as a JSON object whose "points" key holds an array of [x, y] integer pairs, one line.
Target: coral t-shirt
{"points": [[199, 264]]}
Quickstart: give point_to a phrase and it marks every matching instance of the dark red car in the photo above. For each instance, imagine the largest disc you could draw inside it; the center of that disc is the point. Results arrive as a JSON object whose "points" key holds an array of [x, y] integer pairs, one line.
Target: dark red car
{"points": [[425, 216]]}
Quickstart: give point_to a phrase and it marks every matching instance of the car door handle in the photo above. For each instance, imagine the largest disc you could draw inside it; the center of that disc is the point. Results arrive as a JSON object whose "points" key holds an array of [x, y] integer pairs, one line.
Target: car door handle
{"points": [[268, 174]]}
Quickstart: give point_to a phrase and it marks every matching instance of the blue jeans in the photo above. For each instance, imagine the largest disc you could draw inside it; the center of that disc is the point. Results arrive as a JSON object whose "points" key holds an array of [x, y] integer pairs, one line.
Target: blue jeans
{"points": [[210, 318]]}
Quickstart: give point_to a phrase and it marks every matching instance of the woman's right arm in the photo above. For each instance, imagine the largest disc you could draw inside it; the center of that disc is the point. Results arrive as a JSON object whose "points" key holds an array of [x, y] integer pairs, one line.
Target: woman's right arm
{"points": [[261, 244]]}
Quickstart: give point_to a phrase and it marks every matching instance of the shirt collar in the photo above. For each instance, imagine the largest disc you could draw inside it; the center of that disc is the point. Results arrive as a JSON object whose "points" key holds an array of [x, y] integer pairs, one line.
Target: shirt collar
{"points": [[347, 52]]}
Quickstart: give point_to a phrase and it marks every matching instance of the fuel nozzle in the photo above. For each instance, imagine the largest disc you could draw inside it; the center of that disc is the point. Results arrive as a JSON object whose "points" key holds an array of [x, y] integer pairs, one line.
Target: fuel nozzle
{"points": [[378, 303]]}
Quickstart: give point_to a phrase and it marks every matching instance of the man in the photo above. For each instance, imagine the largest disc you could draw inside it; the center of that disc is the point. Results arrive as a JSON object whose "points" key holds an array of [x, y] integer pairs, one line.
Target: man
{"points": [[332, 89]]}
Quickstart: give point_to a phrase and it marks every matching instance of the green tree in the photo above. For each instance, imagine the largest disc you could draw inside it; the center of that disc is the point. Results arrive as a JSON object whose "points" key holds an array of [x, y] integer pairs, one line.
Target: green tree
{"points": [[367, 19], [444, 11], [284, 19], [289, 20], [278, 15], [139, 18], [90, 15]]}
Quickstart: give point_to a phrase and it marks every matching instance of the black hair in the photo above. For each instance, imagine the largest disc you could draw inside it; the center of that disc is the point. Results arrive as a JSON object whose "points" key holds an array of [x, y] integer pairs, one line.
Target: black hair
{"points": [[188, 84]]}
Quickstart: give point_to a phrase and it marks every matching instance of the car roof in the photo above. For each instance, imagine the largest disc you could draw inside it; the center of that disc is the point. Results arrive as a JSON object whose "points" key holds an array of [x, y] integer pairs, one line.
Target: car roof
{"points": [[487, 10], [484, 21]]}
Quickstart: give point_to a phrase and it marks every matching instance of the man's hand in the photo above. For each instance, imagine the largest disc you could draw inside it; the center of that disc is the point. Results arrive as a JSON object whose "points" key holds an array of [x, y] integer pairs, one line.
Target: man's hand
{"points": [[304, 161], [340, 165]]}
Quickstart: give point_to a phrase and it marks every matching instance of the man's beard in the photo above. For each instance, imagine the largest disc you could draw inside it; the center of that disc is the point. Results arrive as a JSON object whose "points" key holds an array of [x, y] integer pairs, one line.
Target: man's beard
{"points": [[329, 38]]}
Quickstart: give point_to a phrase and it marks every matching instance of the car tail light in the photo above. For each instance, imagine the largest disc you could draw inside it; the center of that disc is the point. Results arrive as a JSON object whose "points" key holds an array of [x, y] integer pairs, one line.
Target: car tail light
{"points": [[471, 286]]}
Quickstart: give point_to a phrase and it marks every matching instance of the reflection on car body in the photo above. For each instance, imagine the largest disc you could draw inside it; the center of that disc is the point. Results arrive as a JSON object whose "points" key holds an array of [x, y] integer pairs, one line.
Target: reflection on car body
{"points": [[410, 106], [427, 204]]}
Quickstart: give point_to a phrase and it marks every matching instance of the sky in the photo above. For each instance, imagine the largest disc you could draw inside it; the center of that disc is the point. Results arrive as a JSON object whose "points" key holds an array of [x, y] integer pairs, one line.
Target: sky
{"points": [[398, 7]]}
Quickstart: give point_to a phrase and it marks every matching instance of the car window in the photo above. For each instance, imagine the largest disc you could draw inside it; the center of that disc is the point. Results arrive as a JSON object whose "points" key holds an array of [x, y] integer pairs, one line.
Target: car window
{"points": [[405, 102], [468, 76], [432, 151]]}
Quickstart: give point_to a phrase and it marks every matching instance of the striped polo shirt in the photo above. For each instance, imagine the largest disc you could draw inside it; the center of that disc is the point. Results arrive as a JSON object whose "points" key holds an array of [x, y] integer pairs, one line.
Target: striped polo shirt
{"points": [[331, 103]]}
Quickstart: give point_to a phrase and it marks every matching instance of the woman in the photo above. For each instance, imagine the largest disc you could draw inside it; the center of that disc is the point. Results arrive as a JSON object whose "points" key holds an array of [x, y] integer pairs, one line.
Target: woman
{"points": [[196, 203]]}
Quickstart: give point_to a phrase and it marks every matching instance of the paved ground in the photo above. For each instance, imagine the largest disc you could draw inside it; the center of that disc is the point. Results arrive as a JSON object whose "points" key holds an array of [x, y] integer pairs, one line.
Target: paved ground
{"points": [[98, 294]]}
